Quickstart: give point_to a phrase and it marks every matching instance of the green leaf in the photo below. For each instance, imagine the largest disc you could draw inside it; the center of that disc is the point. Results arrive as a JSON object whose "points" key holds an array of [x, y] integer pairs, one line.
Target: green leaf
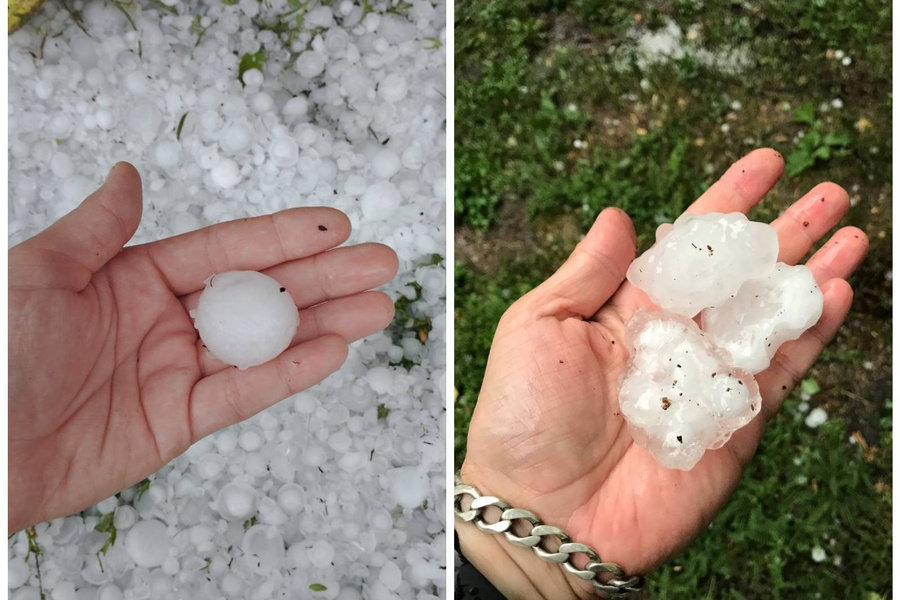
{"points": [[805, 113], [142, 488], [836, 139], [106, 524], [180, 126], [383, 412], [436, 259], [250, 522], [317, 587], [809, 387], [168, 9], [251, 61]]}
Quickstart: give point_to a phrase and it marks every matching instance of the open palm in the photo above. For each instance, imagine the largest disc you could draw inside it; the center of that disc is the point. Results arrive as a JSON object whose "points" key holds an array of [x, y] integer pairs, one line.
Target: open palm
{"points": [[547, 434], [108, 379]]}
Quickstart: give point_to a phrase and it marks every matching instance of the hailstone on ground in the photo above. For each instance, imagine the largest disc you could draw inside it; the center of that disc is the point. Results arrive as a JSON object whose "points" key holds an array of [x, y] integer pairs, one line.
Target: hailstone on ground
{"points": [[679, 394], [245, 318], [764, 314], [703, 261]]}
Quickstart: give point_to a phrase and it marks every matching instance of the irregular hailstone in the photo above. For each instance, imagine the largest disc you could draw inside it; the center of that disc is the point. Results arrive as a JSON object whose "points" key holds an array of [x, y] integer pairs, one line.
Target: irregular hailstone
{"points": [[703, 260], [764, 314], [679, 395], [245, 318]]}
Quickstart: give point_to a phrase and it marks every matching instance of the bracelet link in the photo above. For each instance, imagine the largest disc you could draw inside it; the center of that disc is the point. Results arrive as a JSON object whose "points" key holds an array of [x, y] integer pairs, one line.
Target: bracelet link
{"points": [[618, 586]]}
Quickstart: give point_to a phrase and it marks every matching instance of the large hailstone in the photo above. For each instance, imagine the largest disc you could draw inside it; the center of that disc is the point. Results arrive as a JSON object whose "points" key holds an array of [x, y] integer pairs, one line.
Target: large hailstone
{"points": [[679, 396], [703, 260], [764, 314], [245, 318]]}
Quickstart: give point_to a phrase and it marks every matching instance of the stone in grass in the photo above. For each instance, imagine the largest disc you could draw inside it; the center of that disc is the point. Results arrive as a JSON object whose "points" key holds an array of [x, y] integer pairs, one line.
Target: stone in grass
{"points": [[703, 260], [679, 395], [765, 313]]}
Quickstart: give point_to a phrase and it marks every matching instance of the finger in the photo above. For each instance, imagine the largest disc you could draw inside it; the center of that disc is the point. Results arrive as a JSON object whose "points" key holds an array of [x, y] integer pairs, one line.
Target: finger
{"points": [[594, 270], [841, 256], [186, 261], [232, 395], [794, 358], [333, 274], [352, 318], [808, 219], [93, 233], [743, 185]]}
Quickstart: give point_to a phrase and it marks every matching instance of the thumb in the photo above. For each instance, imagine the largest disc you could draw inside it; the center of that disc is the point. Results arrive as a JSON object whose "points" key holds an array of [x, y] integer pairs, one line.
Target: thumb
{"points": [[99, 227], [594, 271]]}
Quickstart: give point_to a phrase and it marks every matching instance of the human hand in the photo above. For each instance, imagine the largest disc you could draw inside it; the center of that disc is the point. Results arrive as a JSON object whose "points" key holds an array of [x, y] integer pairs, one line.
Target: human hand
{"points": [[108, 380], [547, 435]]}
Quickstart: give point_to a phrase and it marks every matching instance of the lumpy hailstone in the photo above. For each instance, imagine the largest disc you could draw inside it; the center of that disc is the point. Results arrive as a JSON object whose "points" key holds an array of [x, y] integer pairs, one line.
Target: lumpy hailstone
{"points": [[679, 394], [703, 261], [764, 314], [245, 318]]}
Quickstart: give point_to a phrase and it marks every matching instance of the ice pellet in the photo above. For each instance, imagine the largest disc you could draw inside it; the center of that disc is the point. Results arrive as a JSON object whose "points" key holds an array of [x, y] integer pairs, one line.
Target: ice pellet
{"points": [[245, 318], [148, 543]]}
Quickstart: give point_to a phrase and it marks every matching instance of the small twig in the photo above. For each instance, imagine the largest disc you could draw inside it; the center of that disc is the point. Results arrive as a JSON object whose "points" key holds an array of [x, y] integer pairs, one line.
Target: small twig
{"points": [[75, 18]]}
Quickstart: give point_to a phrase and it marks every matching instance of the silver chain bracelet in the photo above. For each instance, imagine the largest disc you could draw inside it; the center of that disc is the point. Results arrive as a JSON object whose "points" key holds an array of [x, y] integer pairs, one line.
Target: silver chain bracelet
{"points": [[617, 585]]}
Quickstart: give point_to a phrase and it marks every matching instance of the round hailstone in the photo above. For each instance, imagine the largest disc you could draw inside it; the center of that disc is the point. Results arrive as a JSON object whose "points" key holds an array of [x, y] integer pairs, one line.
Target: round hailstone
{"points": [[167, 154], [253, 78], [237, 138], [385, 164], [380, 201], [764, 314], [237, 501], [62, 165], [284, 151], [703, 260], [679, 395], [263, 549], [144, 118], [295, 108], [409, 487], [147, 543], [309, 64], [226, 174], [245, 318], [393, 88]]}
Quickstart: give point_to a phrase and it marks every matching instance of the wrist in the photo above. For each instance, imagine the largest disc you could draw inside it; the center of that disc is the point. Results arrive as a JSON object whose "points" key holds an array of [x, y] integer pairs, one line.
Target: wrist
{"points": [[514, 571]]}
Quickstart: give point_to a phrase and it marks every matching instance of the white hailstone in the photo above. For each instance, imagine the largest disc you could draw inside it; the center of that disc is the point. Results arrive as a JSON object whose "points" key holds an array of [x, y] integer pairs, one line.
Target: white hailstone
{"points": [[262, 102], [237, 138], [703, 261], [385, 164], [837, 103], [43, 89], [125, 517], [232, 585], [237, 501], [245, 318], [679, 395], [172, 3], [110, 591], [321, 554], [380, 201], [144, 119], [393, 88], [226, 173], [18, 573], [310, 64], [253, 78], [61, 165], [61, 126], [764, 314], [846, 61], [816, 417], [105, 119], [167, 154], [148, 543], [263, 549], [295, 108], [76, 188], [390, 575], [291, 498], [284, 152], [409, 487], [818, 554], [210, 465], [105, 507]]}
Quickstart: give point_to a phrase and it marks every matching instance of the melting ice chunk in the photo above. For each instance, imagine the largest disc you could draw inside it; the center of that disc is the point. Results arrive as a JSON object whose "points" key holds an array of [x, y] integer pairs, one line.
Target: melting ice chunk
{"points": [[148, 543], [764, 314], [245, 318], [703, 260], [679, 395]]}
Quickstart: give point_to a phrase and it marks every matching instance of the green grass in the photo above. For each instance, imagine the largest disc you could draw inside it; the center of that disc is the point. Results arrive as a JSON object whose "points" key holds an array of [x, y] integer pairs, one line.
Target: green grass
{"points": [[533, 77]]}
